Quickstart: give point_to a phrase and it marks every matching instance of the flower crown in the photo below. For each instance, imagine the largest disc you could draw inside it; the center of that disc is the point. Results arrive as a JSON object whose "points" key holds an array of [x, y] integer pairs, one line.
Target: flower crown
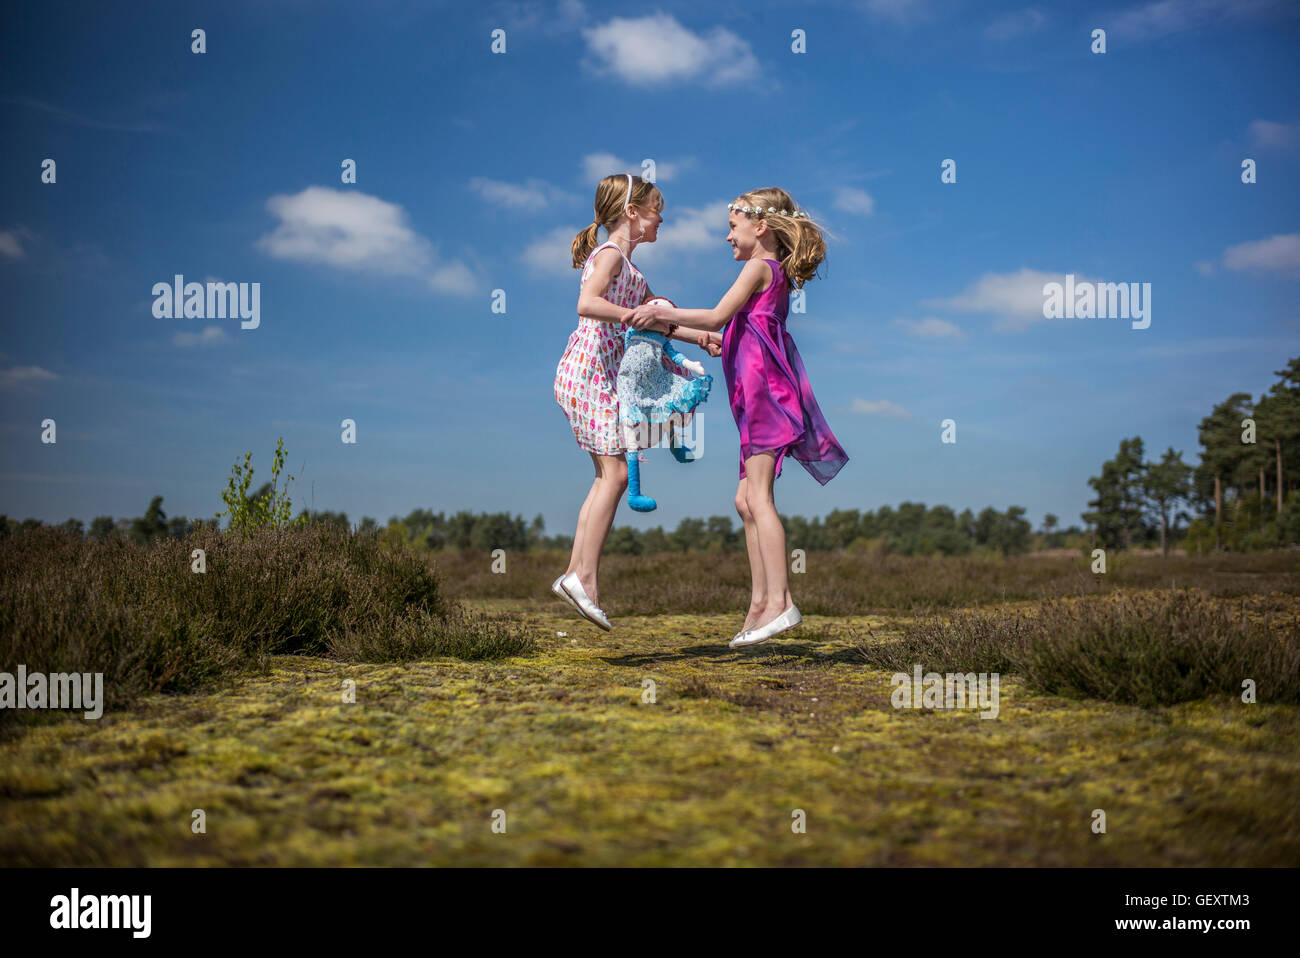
{"points": [[759, 211]]}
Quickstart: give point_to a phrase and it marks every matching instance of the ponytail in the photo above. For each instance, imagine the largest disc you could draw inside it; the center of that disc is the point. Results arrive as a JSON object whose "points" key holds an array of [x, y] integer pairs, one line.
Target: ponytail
{"points": [[583, 244], [807, 249]]}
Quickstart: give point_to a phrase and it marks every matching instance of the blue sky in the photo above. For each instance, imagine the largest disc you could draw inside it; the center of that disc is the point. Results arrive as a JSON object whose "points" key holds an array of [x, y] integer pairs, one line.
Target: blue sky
{"points": [[475, 169]]}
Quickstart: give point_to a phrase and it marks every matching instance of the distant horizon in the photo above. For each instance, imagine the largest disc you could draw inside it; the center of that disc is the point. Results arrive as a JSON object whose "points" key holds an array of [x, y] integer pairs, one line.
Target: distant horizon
{"points": [[297, 510]]}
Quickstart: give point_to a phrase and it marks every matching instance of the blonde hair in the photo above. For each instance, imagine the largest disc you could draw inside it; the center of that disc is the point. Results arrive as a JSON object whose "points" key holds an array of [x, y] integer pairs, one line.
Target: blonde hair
{"points": [[608, 207], [800, 242]]}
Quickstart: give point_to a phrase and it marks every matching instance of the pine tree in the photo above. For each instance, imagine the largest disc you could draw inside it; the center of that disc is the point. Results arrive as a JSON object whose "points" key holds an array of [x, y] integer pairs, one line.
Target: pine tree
{"points": [[1222, 455], [1167, 483], [1117, 511]]}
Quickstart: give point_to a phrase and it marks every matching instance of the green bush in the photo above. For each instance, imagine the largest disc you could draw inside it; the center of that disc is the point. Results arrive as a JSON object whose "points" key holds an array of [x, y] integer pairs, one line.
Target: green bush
{"points": [[1288, 520], [141, 616], [1199, 540], [1155, 650], [272, 510]]}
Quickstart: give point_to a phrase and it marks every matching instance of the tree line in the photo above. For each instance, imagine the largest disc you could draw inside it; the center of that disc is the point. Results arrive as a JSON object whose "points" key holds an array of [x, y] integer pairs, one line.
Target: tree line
{"points": [[1241, 495], [911, 529]]}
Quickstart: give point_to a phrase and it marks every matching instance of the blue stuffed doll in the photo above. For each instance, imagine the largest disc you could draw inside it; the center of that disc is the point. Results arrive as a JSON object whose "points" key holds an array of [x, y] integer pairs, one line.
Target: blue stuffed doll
{"points": [[655, 402]]}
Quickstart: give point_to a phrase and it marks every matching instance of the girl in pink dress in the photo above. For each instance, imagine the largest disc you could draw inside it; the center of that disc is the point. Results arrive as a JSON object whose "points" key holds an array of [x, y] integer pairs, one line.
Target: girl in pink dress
{"points": [[770, 394], [611, 287]]}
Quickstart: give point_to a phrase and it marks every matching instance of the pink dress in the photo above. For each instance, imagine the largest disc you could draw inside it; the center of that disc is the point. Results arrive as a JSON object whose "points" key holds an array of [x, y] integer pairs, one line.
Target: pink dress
{"points": [[771, 397], [587, 374]]}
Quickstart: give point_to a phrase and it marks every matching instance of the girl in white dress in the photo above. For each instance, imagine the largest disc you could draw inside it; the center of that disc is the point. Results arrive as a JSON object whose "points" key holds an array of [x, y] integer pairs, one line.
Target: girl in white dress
{"points": [[630, 208]]}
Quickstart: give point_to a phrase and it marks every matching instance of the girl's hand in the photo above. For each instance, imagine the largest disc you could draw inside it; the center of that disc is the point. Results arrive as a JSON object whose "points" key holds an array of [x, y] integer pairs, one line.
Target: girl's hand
{"points": [[637, 319], [711, 343], [651, 316]]}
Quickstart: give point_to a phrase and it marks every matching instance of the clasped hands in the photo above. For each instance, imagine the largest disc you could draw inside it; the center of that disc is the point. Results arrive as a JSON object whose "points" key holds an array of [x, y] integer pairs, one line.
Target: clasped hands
{"points": [[656, 317]]}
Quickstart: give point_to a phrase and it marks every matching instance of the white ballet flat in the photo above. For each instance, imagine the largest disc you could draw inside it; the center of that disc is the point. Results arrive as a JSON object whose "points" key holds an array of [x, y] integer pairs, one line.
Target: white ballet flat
{"points": [[735, 639], [559, 590], [573, 586], [782, 623]]}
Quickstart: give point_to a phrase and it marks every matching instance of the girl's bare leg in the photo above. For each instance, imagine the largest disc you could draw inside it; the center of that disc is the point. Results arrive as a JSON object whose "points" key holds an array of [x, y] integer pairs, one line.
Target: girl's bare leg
{"points": [[759, 474], [596, 519], [583, 515], [757, 578]]}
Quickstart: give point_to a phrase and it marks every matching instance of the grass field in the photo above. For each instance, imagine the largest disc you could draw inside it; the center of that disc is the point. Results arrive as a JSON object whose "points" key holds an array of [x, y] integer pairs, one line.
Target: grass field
{"points": [[564, 742]]}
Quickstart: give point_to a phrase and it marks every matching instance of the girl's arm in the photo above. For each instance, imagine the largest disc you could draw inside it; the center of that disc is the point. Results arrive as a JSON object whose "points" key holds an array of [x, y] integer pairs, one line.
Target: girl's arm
{"points": [[685, 334], [711, 343], [591, 299], [753, 276]]}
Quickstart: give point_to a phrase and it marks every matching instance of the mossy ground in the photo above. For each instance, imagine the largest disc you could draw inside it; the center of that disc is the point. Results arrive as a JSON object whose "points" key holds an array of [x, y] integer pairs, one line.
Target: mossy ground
{"points": [[588, 774]]}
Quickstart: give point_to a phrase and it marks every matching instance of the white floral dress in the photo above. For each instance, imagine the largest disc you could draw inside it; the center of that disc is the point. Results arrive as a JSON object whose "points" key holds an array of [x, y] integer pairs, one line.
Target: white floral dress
{"points": [[587, 374]]}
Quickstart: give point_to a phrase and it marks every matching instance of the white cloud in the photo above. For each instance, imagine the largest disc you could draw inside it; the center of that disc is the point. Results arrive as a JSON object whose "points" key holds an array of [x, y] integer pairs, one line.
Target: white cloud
{"points": [[1205, 267], [880, 407], [454, 277], [79, 120], [852, 200], [685, 232], [1209, 347], [210, 336], [931, 328], [695, 227], [345, 229], [655, 50], [1164, 17], [899, 11], [530, 16], [1279, 253], [16, 376], [688, 230], [1015, 24], [11, 244], [1016, 298], [571, 11], [533, 195], [355, 231], [597, 166], [552, 254], [1266, 133]]}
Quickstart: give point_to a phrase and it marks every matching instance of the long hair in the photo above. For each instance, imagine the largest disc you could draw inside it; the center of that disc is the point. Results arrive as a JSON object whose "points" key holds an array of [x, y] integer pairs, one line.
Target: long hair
{"points": [[608, 207], [800, 242]]}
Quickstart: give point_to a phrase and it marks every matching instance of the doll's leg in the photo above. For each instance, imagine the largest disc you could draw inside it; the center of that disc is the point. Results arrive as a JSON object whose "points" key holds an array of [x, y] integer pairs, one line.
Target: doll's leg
{"points": [[759, 473], [676, 428], [757, 578], [634, 497]]}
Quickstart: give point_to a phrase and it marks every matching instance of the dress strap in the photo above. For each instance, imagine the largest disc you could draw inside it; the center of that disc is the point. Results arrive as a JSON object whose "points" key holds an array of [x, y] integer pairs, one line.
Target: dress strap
{"points": [[613, 244], [778, 274]]}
